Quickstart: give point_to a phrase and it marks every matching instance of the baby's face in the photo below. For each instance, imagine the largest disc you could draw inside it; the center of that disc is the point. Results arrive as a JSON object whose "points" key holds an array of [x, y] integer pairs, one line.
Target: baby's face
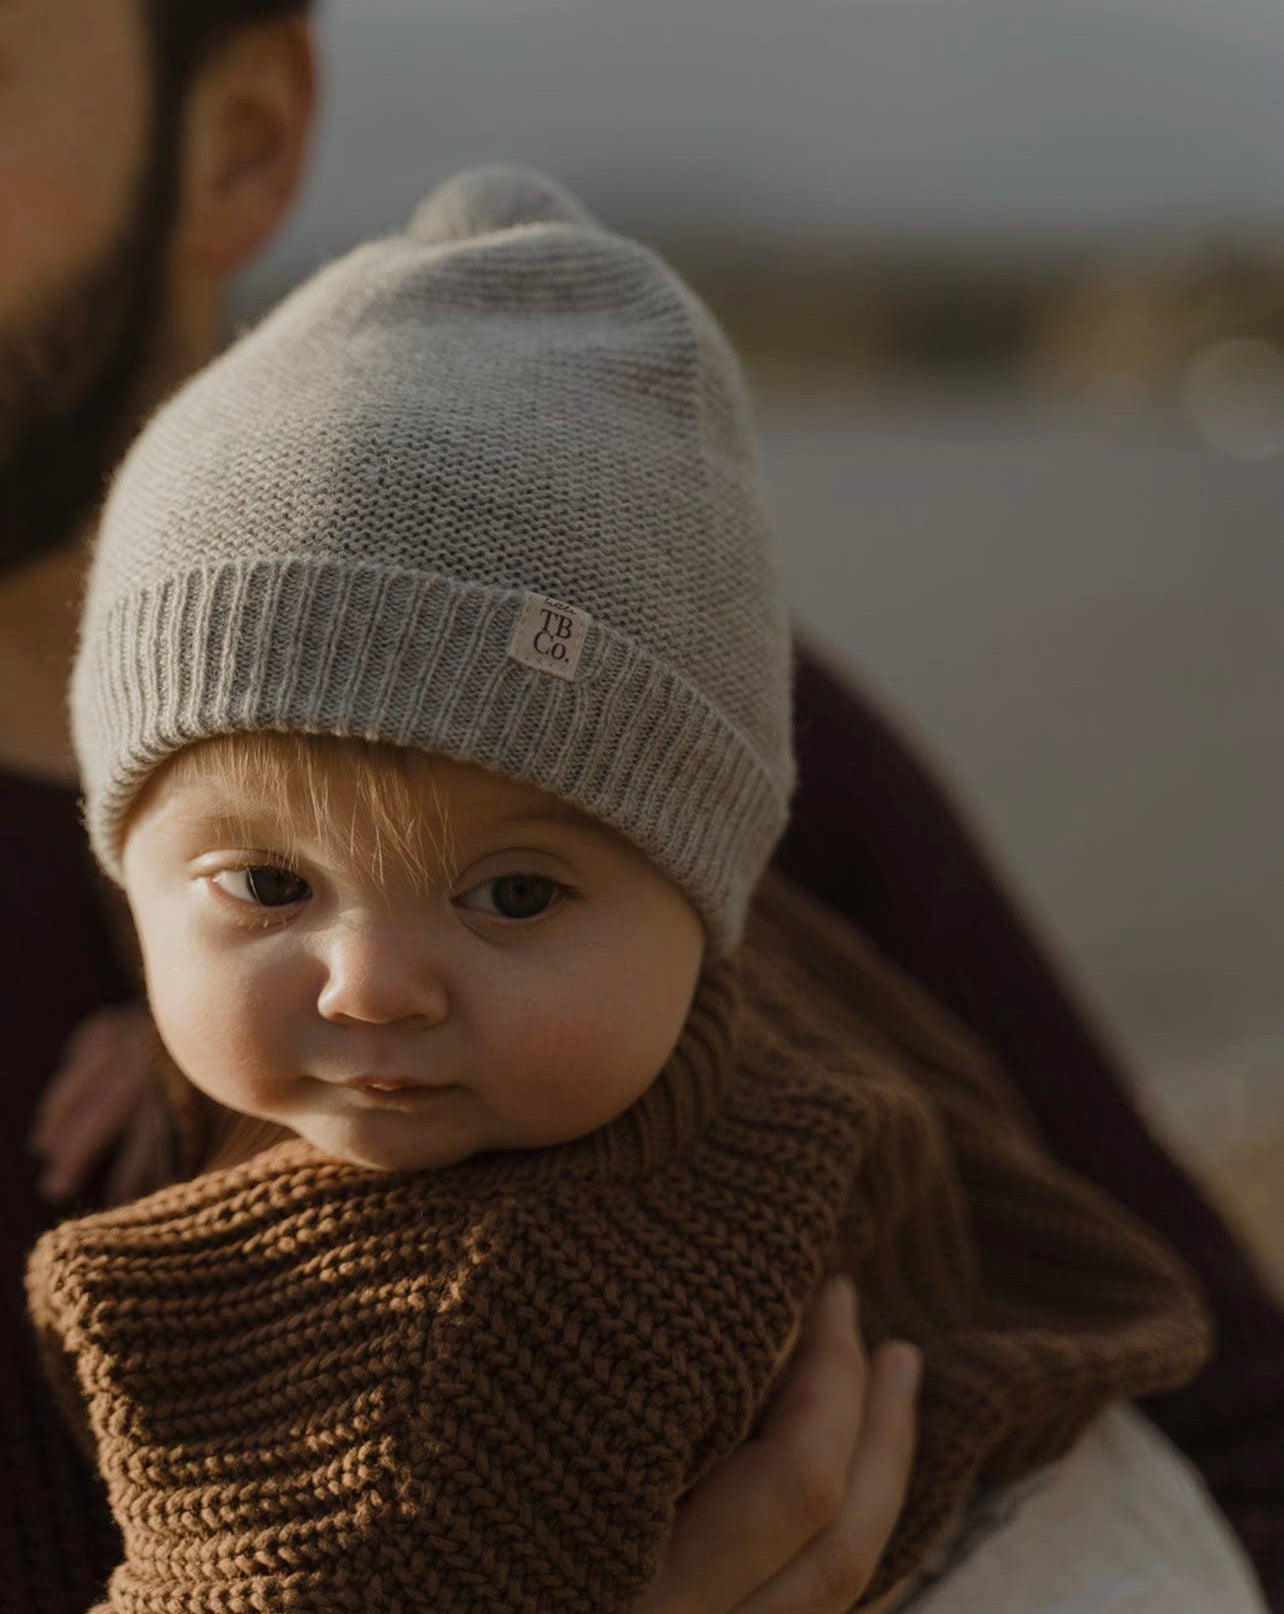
{"points": [[526, 996]]}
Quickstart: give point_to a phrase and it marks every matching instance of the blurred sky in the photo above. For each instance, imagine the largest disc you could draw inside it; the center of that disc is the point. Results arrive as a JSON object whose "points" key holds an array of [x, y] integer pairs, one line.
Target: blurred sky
{"points": [[869, 117]]}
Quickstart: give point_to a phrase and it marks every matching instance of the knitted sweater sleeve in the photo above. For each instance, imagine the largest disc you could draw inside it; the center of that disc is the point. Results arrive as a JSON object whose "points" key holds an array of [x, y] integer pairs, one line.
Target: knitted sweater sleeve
{"points": [[569, 1396], [313, 1388], [57, 1362]]}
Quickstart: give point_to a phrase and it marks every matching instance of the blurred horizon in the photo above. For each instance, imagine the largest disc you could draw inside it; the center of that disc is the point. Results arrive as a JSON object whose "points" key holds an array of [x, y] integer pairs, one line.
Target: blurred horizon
{"points": [[906, 121], [1081, 200]]}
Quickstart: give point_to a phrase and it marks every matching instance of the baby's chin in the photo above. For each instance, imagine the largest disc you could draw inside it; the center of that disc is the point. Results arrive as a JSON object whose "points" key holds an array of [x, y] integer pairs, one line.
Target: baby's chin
{"points": [[390, 1140], [444, 1127]]}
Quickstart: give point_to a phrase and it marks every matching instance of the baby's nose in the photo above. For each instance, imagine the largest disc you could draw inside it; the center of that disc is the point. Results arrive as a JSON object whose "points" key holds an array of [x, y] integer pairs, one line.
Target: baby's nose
{"points": [[378, 973]]}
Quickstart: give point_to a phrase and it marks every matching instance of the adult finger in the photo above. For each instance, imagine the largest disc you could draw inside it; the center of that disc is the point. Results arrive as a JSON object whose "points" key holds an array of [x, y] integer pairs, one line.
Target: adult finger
{"points": [[86, 1133], [840, 1561], [87, 1053], [752, 1514], [134, 1170]]}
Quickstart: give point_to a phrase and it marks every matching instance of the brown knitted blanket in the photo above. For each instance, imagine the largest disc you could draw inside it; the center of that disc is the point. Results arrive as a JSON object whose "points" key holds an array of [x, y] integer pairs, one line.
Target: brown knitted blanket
{"points": [[317, 1387]]}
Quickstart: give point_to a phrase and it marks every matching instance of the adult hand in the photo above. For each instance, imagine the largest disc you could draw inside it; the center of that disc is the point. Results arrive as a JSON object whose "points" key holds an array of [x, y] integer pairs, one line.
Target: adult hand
{"points": [[798, 1518], [100, 1095]]}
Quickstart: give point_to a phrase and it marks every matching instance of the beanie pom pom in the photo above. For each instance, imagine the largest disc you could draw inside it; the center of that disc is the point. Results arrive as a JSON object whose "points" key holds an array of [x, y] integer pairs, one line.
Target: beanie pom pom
{"points": [[481, 201]]}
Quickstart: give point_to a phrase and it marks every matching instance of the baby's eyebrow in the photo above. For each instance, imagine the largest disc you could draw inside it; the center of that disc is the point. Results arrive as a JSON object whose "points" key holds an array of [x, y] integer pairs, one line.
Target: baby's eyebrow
{"points": [[212, 816], [537, 815], [214, 830], [236, 821], [559, 817]]}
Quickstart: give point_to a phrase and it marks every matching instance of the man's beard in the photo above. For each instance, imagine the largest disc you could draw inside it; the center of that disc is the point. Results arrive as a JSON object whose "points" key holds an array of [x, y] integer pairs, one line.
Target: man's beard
{"points": [[74, 376]]}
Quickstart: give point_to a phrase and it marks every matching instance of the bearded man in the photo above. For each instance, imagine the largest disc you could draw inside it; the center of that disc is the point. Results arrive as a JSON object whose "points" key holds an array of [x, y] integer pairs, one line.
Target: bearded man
{"points": [[148, 149]]}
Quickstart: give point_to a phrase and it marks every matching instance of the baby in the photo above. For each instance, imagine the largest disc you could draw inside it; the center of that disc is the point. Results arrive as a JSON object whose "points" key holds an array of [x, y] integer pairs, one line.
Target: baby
{"points": [[433, 710]]}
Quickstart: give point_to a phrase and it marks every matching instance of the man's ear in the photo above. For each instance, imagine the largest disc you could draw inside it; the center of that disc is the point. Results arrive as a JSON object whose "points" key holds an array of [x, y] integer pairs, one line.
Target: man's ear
{"points": [[245, 129]]}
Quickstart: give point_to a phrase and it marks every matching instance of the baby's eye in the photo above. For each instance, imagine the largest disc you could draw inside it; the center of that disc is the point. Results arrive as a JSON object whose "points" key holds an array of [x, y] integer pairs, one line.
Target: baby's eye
{"points": [[512, 896], [264, 884]]}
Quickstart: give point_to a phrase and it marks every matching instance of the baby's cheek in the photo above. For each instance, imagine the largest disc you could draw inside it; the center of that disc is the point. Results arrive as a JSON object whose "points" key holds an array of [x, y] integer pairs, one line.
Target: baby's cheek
{"points": [[563, 1087], [216, 1039]]}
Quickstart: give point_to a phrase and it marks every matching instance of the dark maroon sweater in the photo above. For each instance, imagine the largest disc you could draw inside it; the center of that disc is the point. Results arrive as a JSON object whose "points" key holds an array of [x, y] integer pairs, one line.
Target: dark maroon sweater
{"points": [[874, 835], [57, 1540]]}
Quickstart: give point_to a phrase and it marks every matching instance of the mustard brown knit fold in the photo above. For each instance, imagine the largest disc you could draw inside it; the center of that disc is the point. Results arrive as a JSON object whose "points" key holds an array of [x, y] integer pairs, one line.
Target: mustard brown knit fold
{"points": [[317, 1387]]}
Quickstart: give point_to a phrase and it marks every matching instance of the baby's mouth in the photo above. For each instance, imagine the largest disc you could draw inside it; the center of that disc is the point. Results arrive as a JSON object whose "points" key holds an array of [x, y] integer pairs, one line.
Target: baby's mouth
{"points": [[397, 1092]]}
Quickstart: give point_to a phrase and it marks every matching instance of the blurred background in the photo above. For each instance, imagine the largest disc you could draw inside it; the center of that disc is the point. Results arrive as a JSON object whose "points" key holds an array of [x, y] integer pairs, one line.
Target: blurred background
{"points": [[1010, 283]]}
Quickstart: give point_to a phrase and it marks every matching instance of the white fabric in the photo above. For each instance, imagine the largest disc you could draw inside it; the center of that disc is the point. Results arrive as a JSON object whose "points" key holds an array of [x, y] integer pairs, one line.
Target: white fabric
{"points": [[1122, 1525]]}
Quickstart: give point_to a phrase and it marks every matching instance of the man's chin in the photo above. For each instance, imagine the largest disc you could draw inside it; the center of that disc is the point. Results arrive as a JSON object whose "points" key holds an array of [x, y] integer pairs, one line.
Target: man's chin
{"points": [[55, 475]]}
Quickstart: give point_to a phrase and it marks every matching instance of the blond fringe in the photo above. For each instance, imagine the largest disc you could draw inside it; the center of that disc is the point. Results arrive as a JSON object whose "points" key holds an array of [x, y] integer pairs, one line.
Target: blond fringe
{"points": [[371, 806]]}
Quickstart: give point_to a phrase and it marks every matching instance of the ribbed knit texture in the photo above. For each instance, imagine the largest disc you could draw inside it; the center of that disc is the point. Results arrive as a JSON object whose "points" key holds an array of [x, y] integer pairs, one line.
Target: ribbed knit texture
{"points": [[318, 1387], [335, 527]]}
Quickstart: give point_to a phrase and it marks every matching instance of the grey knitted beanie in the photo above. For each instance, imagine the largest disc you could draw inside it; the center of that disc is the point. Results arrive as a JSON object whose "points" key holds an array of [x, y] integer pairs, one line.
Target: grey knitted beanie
{"points": [[487, 489]]}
